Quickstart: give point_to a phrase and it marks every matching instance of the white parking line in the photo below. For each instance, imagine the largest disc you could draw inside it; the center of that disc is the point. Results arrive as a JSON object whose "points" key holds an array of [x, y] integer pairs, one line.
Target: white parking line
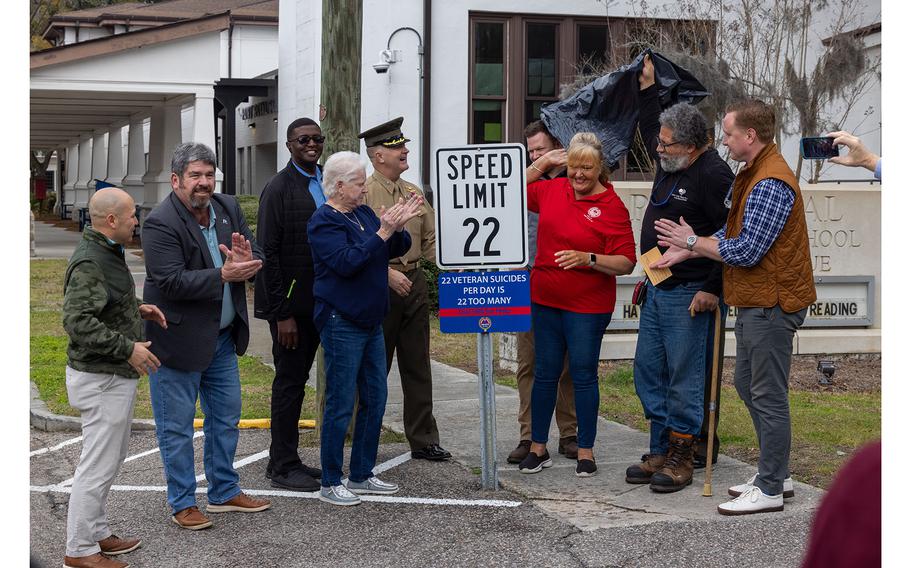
{"points": [[57, 447], [65, 486], [197, 434], [389, 499]]}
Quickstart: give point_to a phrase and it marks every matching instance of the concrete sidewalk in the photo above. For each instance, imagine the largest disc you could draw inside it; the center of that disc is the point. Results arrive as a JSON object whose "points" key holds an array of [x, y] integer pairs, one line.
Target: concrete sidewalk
{"points": [[604, 500]]}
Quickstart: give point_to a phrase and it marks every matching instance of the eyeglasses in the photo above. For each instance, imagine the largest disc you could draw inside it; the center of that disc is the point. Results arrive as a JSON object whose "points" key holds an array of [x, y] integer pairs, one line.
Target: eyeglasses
{"points": [[665, 145], [305, 139]]}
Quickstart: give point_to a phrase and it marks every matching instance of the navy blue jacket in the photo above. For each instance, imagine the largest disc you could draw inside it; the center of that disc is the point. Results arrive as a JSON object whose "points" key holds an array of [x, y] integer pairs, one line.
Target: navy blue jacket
{"points": [[182, 280], [351, 266]]}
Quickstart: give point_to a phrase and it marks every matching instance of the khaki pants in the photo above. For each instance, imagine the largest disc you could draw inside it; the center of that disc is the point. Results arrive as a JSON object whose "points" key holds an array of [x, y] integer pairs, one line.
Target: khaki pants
{"points": [[565, 395], [106, 403]]}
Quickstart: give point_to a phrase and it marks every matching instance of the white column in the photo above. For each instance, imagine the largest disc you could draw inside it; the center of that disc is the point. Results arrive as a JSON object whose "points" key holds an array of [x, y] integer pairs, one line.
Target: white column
{"points": [[164, 136], [115, 167], [99, 157], [135, 161], [58, 178], [72, 174], [204, 126], [85, 173]]}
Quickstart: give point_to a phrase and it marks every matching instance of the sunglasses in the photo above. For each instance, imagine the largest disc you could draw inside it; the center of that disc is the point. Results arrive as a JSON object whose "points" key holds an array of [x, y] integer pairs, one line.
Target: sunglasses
{"points": [[305, 139]]}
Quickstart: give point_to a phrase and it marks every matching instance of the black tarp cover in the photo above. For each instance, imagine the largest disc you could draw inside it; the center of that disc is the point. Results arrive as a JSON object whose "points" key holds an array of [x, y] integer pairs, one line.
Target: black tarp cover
{"points": [[608, 106]]}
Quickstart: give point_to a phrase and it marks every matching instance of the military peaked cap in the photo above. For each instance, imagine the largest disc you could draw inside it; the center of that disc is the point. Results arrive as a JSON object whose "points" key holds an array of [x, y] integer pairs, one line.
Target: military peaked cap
{"points": [[387, 134]]}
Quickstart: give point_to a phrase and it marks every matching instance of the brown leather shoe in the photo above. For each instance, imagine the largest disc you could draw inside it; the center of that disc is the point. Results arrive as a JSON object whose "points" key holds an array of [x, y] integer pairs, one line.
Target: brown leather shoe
{"points": [[569, 447], [642, 472], [114, 545], [520, 453], [241, 503], [677, 470], [96, 560], [191, 518]]}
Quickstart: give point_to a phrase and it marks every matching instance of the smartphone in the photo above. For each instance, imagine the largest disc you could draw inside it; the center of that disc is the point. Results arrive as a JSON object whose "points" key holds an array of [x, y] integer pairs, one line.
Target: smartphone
{"points": [[818, 148]]}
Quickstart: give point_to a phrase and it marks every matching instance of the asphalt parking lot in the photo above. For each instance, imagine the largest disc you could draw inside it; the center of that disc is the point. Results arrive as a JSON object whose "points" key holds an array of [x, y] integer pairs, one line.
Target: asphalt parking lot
{"points": [[440, 517]]}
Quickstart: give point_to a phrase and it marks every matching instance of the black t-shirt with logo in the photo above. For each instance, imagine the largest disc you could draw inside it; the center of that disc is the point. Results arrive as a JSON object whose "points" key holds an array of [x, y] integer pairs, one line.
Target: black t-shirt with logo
{"points": [[696, 193]]}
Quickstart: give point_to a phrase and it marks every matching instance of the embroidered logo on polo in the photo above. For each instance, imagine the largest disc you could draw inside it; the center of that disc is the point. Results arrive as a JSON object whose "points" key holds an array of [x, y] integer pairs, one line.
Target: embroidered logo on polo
{"points": [[593, 213], [680, 195]]}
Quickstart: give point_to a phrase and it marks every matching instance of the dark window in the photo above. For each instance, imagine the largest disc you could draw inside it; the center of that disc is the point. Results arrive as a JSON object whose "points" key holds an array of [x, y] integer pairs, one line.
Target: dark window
{"points": [[488, 82], [593, 48]]}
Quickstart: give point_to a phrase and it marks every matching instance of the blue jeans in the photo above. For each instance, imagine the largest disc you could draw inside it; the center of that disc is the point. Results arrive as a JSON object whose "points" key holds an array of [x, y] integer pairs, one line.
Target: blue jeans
{"points": [[174, 394], [557, 331], [670, 360], [354, 362]]}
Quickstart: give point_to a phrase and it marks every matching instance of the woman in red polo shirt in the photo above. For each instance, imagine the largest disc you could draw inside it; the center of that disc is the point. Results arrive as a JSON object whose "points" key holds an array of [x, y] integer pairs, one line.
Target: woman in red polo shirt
{"points": [[584, 239]]}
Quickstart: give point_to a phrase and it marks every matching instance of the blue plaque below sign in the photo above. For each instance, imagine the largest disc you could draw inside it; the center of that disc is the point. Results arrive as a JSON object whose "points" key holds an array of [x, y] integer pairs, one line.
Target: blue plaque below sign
{"points": [[485, 302]]}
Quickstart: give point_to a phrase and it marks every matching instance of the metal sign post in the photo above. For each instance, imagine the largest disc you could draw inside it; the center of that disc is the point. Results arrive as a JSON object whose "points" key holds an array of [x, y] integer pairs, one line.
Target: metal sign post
{"points": [[488, 476], [481, 222]]}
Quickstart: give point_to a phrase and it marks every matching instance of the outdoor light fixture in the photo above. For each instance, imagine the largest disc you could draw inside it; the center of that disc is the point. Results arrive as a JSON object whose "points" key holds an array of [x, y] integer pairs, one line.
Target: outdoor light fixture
{"points": [[252, 126], [826, 370]]}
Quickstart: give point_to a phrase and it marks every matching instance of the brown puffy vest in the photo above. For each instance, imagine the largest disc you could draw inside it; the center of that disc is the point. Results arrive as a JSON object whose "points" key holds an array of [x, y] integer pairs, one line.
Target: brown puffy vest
{"points": [[784, 275]]}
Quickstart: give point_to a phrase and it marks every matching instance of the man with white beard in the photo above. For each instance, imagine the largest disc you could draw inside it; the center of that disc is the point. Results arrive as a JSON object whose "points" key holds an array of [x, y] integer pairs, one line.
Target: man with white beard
{"points": [[675, 334]]}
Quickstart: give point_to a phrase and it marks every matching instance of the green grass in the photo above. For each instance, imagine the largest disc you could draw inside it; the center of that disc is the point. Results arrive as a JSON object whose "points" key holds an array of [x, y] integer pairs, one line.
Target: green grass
{"points": [[48, 355], [827, 426]]}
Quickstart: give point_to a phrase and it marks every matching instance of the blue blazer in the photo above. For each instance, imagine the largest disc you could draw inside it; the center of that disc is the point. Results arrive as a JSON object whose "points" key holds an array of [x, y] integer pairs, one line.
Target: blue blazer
{"points": [[182, 280]]}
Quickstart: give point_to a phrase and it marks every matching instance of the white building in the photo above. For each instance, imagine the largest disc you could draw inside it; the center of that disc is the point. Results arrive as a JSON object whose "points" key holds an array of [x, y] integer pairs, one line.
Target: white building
{"points": [[145, 80], [125, 84]]}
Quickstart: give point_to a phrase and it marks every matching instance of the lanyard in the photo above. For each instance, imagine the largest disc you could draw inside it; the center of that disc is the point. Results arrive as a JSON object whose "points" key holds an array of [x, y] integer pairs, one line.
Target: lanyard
{"points": [[667, 198]]}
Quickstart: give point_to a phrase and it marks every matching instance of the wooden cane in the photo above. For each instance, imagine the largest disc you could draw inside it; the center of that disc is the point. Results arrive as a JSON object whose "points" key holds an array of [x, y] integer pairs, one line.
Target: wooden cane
{"points": [[712, 406]]}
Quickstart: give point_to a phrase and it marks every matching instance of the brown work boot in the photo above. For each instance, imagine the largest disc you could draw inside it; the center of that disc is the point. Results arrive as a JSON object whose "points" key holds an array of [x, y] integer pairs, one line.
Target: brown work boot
{"points": [[114, 545], [96, 560], [192, 518], [520, 453], [569, 447], [240, 503], [677, 470], [642, 472]]}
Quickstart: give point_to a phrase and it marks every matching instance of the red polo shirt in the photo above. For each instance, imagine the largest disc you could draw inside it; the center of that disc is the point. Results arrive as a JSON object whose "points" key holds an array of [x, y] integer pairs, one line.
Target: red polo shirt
{"points": [[595, 223]]}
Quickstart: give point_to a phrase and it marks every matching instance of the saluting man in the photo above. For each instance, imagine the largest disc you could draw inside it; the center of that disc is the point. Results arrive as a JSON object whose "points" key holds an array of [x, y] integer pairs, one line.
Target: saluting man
{"points": [[407, 326]]}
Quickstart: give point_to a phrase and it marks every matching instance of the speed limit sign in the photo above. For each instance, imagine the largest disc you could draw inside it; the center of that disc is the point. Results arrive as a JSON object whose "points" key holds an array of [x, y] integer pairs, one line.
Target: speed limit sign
{"points": [[481, 207]]}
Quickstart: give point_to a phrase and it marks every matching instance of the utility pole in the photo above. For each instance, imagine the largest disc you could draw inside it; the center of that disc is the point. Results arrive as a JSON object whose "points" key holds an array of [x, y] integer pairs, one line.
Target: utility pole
{"points": [[340, 96], [339, 112]]}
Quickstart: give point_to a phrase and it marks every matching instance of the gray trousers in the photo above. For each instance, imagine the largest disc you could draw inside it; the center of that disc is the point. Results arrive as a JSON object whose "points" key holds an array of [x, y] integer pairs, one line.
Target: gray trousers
{"points": [[764, 348], [106, 403]]}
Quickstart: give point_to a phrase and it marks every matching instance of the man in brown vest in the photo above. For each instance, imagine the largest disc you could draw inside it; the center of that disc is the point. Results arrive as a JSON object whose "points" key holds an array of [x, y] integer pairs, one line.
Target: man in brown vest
{"points": [[768, 275]]}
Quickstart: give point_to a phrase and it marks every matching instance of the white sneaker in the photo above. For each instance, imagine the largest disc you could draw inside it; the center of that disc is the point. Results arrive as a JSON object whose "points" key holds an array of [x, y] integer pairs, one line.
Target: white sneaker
{"points": [[752, 500], [372, 485], [738, 490], [338, 495]]}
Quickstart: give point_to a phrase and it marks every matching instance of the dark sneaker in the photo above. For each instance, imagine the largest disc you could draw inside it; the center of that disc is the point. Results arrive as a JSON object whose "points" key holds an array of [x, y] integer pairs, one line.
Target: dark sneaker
{"points": [[534, 463], [295, 480], [311, 471], [568, 446], [433, 452], [585, 468], [520, 453], [642, 472]]}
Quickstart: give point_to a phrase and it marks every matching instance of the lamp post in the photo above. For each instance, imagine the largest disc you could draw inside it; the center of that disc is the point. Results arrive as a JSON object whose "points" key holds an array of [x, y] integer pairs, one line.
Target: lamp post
{"points": [[387, 58]]}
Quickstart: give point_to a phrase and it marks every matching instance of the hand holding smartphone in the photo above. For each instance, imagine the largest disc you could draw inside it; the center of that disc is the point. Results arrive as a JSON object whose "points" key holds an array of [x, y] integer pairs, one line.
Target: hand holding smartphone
{"points": [[818, 148]]}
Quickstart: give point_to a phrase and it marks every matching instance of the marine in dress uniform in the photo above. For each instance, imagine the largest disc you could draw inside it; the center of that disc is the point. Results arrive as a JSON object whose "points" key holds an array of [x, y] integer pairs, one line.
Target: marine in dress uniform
{"points": [[407, 327]]}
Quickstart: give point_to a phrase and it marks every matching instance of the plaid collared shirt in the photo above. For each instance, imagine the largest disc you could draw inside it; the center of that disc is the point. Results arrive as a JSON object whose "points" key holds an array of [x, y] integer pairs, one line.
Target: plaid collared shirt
{"points": [[766, 212]]}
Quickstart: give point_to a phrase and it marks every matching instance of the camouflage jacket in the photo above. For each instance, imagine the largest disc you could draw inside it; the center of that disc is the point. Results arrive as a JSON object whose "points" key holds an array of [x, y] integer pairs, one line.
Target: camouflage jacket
{"points": [[100, 308]]}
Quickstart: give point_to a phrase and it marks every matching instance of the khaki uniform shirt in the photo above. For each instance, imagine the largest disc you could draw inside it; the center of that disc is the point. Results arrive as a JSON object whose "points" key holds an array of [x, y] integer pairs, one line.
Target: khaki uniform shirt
{"points": [[381, 191]]}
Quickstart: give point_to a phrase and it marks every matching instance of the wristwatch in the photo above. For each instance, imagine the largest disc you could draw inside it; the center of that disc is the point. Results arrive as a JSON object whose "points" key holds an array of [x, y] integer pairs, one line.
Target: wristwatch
{"points": [[592, 259], [690, 241]]}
